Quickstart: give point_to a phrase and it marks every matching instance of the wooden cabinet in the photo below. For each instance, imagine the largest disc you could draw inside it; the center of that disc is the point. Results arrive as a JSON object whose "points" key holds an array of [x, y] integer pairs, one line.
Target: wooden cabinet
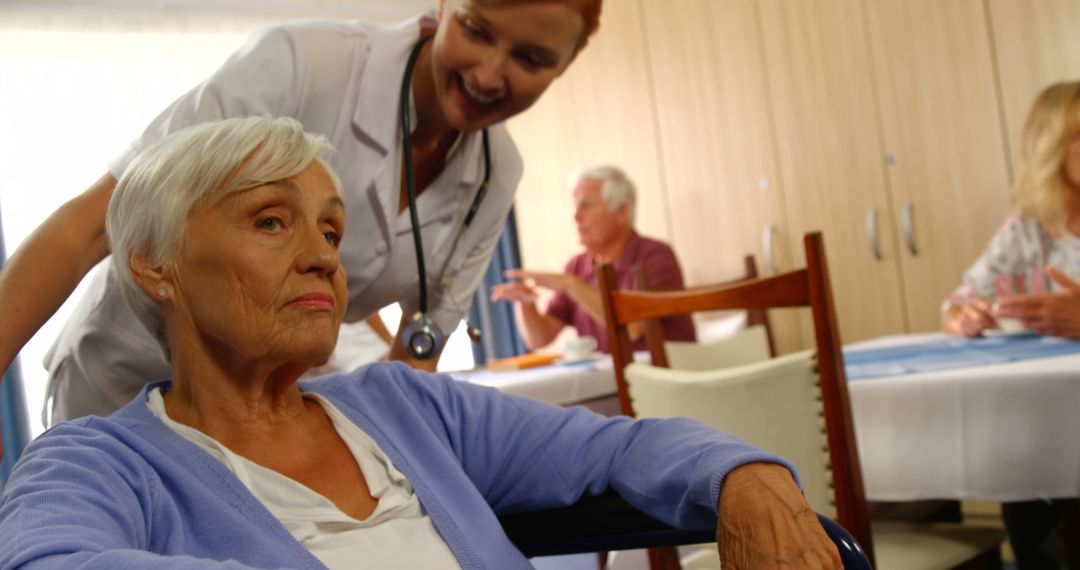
{"points": [[831, 154], [890, 125], [946, 158], [892, 147]]}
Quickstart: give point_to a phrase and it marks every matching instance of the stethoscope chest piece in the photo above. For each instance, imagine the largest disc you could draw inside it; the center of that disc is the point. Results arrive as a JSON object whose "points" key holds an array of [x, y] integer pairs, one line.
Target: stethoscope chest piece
{"points": [[422, 337]]}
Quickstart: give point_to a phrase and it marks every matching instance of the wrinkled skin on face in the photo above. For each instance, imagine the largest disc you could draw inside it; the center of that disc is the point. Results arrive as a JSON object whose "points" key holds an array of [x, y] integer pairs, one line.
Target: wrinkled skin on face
{"points": [[258, 277]]}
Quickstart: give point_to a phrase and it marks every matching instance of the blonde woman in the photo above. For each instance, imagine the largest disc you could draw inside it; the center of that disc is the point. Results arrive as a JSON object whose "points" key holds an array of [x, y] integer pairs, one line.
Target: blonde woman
{"points": [[1030, 268]]}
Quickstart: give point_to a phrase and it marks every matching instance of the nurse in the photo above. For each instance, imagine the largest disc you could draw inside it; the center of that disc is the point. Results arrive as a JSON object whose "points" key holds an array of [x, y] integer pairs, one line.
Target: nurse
{"points": [[476, 64]]}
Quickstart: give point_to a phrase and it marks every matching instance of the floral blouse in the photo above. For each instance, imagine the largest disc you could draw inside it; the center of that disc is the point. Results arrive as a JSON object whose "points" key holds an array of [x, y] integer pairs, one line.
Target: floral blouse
{"points": [[1014, 262]]}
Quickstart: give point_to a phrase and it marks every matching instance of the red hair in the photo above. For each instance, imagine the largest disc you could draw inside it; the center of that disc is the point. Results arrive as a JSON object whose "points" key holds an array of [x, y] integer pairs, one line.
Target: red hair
{"points": [[590, 12]]}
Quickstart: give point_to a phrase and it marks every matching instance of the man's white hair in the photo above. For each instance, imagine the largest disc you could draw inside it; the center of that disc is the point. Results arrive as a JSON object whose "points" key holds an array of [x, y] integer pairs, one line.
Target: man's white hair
{"points": [[616, 188], [149, 208]]}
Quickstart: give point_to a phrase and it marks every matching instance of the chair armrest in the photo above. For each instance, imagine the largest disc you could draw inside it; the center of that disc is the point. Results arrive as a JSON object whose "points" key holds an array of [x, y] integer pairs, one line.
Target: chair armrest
{"points": [[852, 556], [594, 524], [606, 522]]}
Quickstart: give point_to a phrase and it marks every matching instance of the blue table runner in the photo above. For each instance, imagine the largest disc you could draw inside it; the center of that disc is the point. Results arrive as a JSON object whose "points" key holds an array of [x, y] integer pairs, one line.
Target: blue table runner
{"points": [[867, 363]]}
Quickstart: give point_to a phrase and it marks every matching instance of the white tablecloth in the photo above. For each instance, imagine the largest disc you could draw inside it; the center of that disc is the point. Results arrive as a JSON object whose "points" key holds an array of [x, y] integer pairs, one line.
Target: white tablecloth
{"points": [[560, 384], [999, 432]]}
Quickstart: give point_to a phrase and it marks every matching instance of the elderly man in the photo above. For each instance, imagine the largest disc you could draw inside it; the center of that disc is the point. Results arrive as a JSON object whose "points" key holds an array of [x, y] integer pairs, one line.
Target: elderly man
{"points": [[604, 214]]}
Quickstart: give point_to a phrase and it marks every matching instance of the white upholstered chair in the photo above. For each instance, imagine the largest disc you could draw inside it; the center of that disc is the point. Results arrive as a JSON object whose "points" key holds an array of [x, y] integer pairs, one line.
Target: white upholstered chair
{"points": [[744, 346]]}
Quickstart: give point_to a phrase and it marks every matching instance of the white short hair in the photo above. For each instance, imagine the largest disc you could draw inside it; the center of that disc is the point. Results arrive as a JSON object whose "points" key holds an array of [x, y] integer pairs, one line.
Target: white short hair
{"points": [[616, 188], [149, 208]]}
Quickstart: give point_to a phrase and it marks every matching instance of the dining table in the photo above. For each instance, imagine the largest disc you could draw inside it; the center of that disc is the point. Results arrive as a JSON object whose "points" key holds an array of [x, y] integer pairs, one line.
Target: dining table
{"points": [[588, 382], [992, 418]]}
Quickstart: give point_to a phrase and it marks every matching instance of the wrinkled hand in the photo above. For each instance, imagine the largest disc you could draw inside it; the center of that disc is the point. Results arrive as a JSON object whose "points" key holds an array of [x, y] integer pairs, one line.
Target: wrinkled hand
{"points": [[1048, 314], [765, 523], [515, 292], [557, 282], [975, 317]]}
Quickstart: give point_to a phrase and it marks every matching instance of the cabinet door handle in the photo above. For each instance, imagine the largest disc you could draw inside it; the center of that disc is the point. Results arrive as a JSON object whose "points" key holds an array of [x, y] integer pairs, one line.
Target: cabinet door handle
{"points": [[909, 228], [767, 248], [871, 233]]}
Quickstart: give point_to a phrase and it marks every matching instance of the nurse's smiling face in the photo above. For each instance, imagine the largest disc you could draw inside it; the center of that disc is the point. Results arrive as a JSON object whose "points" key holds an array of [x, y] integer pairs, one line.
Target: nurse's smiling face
{"points": [[492, 59]]}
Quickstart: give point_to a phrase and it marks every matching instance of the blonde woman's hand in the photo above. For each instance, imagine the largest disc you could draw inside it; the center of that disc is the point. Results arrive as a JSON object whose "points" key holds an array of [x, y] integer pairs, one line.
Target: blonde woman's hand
{"points": [[1048, 314], [765, 523], [970, 319]]}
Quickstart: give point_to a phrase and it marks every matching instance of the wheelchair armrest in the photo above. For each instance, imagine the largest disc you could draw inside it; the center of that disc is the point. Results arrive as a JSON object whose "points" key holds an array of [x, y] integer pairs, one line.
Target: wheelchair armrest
{"points": [[606, 523], [594, 524]]}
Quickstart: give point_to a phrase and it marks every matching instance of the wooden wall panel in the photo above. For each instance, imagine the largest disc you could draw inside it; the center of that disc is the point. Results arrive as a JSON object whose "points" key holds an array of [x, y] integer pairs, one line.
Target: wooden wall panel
{"points": [[599, 112], [1037, 43], [716, 140]]}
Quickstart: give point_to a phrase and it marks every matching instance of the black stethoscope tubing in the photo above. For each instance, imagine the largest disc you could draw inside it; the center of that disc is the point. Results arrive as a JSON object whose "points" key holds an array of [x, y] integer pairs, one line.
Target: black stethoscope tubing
{"points": [[410, 184]]}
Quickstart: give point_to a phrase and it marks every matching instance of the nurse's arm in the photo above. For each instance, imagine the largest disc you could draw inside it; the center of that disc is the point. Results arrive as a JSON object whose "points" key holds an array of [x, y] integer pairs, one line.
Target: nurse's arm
{"points": [[49, 264]]}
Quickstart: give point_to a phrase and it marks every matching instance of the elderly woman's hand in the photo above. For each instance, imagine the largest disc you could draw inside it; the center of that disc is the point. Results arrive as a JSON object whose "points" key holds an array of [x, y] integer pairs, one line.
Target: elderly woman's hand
{"points": [[1048, 314], [765, 523]]}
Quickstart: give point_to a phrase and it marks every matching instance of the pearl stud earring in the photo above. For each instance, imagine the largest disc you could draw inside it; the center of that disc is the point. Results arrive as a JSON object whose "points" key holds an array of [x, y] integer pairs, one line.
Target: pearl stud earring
{"points": [[161, 292]]}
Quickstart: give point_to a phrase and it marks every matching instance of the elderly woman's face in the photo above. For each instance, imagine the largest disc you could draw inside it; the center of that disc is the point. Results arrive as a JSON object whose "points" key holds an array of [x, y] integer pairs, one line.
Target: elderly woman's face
{"points": [[258, 273]]}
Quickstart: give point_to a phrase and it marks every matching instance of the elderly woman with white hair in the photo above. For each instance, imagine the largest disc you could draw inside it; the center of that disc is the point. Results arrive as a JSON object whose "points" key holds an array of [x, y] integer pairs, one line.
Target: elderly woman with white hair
{"points": [[226, 238]]}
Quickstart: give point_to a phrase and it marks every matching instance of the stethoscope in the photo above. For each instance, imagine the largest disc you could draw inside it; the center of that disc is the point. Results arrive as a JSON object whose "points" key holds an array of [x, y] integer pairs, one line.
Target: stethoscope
{"points": [[422, 336]]}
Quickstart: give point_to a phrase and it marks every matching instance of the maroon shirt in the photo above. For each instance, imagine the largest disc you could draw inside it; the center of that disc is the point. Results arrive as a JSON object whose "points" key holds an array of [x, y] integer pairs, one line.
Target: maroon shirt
{"points": [[662, 271]]}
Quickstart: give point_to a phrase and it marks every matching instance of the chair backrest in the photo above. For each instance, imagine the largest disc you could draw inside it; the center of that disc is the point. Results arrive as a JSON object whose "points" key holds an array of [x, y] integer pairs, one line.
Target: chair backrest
{"points": [[807, 287], [696, 356], [744, 346], [773, 404]]}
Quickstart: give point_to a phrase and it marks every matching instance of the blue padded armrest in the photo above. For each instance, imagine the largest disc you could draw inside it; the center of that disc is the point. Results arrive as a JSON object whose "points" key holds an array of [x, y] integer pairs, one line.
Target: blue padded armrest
{"points": [[606, 522]]}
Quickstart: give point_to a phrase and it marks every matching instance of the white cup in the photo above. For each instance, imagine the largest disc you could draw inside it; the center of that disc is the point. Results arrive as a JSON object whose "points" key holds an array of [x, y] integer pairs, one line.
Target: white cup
{"points": [[579, 348], [1010, 325]]}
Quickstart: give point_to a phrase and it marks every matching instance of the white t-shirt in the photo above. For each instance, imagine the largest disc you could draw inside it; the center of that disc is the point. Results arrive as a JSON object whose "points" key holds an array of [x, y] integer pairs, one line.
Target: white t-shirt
{"points": [[340, 80], [398, 534]]}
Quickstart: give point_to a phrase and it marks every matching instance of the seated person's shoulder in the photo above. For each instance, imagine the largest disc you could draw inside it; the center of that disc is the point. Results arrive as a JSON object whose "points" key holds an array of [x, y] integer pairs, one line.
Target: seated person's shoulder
{"points": [[653, 251]]}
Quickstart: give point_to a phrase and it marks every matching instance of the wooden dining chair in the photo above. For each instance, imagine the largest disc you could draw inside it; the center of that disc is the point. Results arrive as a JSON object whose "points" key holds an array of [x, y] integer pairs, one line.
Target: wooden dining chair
{"points": [[750, 343], [796, 406]]}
